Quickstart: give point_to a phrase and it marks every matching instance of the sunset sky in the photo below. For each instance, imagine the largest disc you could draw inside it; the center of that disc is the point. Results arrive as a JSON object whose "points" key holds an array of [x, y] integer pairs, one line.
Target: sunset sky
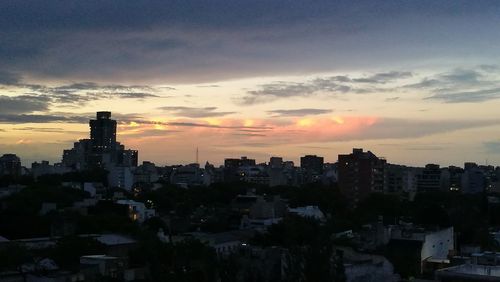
{"points": [[414, 81]]}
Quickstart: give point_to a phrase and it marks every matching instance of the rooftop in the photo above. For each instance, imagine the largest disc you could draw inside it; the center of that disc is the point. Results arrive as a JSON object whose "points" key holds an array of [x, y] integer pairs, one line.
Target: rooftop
{"points": [[483, 272]]}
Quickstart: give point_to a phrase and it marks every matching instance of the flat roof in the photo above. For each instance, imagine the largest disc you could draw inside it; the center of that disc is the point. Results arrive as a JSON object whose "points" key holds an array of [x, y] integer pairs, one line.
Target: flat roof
{"points": [[483, 272]]}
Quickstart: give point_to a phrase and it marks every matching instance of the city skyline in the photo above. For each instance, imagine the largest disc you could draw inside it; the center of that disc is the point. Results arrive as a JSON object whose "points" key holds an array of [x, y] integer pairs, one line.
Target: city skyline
{"points": [[102, 149], [413, 82]]}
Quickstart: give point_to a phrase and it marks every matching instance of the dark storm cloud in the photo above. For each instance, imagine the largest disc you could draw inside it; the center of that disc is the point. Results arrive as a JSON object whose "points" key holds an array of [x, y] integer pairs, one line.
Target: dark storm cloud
{"points": [[7, 78], [298, 112], [193, 112], [179, 41]]}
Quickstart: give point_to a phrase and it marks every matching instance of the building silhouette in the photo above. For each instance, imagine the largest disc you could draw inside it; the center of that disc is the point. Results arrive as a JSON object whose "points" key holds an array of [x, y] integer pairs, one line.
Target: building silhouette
{"points": [[312, 168], [103, 132], [101, 150], [359, 174], [10, 164]]}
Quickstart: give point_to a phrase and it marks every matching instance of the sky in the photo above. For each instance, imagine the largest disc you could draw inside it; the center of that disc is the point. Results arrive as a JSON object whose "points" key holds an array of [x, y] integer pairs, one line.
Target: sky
{"points": [[415, 82]]}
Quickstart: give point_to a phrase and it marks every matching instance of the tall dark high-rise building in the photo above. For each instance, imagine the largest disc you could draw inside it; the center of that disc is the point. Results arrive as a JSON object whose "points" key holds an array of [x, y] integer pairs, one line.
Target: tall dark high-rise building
{"points": [[359, 174], [103, 132], [231, 167], [430, 179], [236, 163], [312, 162], [312, 168], [102, 149]]}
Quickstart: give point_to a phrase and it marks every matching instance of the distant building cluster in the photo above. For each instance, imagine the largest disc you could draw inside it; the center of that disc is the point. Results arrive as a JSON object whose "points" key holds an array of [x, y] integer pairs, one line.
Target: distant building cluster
{"points": [[102, 149], [356, 174]]}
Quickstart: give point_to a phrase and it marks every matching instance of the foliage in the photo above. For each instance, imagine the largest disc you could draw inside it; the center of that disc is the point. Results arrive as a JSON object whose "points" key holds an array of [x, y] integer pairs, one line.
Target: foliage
{"points": [[184, 261], [12, 256], [69, 249]]}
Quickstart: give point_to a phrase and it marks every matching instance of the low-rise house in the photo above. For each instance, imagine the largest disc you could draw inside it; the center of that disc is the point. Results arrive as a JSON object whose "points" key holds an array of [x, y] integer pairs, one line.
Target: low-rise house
{"points": [[429, 249], [360, 267], [259, 212], [312, 212], [187, 175], [93, 266], [469, 273], [116, 245], [224, 243], [137, 210]]}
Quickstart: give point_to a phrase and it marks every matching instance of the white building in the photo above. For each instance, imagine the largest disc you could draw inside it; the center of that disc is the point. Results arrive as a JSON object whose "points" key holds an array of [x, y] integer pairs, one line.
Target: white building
{"points": [[137, 210], [436, 245], [121, 177]]}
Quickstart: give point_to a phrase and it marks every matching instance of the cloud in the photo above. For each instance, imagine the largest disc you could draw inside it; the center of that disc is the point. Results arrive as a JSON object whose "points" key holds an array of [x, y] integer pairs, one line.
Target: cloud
{"points": [[182, 41], [47, 130], [148, 133], [472, 85], [462, 76], [412, 128], [427, 148], [250, 134], [384, 77], [8, 78], [81, 93], [332, 85], [313, 130], [206, 125], [349, 128], [65, 117], [33, 118], [392, 99], [209, 86], [492, 147], [193, 112], [23, 104], [468, 96], [456, 78], [298, 112]]}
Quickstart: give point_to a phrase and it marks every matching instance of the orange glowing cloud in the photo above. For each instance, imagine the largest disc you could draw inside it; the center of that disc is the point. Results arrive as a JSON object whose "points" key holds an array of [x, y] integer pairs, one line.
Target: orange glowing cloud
{"points": [[237, 131]]}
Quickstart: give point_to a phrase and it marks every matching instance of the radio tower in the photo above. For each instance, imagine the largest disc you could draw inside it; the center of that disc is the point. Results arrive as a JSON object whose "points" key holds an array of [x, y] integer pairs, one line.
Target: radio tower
{"points": [[197, 153]]}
